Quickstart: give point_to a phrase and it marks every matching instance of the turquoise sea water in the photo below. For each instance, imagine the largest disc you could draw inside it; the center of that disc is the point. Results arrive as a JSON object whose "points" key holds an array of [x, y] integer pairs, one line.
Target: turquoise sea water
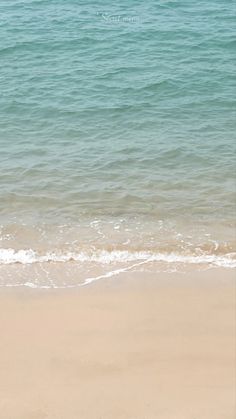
{"points": [[117, 134]]}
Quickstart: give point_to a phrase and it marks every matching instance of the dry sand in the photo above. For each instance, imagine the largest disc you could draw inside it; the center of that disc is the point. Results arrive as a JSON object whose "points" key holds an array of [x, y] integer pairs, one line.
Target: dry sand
{"points": [[159, 347]]}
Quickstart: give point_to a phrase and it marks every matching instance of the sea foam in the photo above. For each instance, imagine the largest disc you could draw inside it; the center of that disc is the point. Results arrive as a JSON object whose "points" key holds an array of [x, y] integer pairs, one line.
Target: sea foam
{"points": [[29, 256]]}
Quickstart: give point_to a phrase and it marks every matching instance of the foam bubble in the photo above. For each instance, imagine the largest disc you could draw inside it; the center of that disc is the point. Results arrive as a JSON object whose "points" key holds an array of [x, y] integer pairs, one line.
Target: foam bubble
{"points": [[29, 256]]}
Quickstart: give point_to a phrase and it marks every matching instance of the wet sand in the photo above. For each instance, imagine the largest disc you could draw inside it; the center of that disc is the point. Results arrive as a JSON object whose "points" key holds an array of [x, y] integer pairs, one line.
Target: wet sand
{"points": [[132, 348]]}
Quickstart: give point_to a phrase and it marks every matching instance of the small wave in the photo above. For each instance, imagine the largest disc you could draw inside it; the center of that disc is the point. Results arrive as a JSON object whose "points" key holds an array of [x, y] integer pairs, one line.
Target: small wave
{"points": [[29, 256]]}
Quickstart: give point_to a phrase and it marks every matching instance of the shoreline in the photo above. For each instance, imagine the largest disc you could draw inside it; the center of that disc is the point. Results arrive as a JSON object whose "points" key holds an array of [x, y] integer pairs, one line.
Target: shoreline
{"points": [[162, 346], [75, 275]]}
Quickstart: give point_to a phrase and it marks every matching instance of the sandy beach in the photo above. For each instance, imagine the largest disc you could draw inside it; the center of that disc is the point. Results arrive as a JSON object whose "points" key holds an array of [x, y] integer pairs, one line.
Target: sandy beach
{"points": [[134, 348], [117, 210]]}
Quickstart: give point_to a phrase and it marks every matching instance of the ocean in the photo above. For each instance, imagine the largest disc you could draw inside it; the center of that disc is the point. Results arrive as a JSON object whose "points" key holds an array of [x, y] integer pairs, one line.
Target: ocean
{"points": [[117, 139]]}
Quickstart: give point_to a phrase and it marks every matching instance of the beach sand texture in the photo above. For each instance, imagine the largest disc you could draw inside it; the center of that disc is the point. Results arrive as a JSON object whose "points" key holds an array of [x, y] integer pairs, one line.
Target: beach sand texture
{"points": [[138, 348]]}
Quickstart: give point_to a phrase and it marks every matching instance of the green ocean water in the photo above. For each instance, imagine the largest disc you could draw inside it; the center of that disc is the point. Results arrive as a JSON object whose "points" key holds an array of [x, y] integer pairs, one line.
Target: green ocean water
{"points": [[117, 131]]}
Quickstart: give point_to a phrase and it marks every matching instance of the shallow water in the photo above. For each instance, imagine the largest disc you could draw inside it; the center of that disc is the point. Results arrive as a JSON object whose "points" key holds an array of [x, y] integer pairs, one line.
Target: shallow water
{"points": [[117, 134]]}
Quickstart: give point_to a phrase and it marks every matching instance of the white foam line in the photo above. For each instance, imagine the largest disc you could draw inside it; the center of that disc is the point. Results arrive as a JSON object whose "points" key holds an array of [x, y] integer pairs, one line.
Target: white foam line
{"points": [[29, 256], [111, 273]]}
